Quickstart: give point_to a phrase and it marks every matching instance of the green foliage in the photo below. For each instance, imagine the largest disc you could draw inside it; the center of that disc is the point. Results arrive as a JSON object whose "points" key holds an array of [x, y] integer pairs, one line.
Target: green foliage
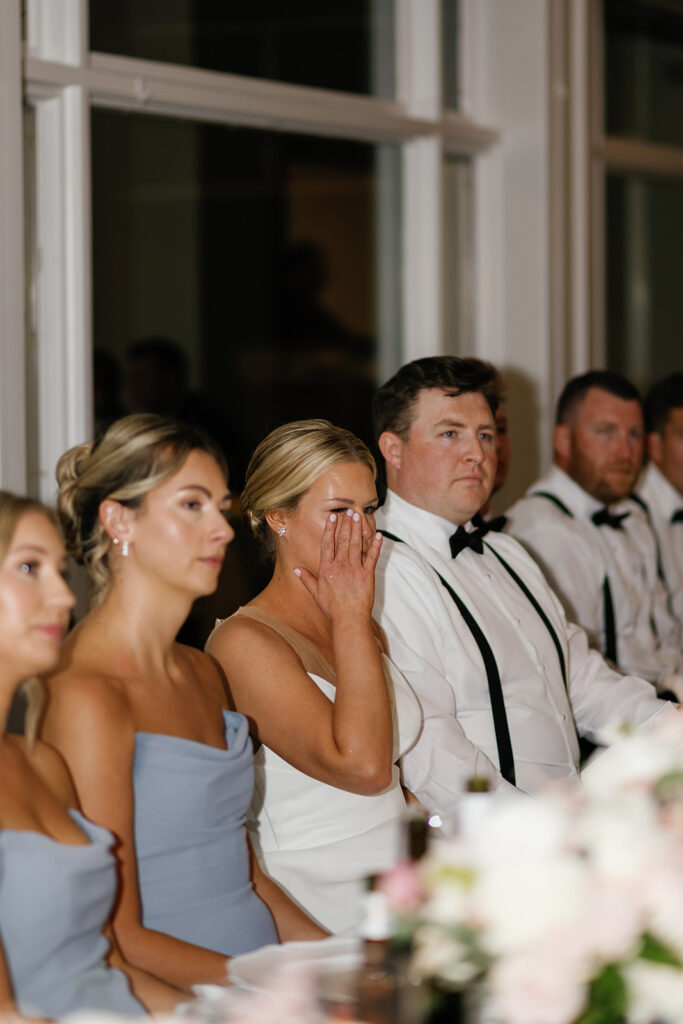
{"points": [[606, 998], [653, 949]]}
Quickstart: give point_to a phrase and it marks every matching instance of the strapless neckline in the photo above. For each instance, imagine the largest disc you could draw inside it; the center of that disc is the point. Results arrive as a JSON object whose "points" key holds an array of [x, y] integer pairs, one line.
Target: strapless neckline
{"points": [[92, 832], [235, 724]]}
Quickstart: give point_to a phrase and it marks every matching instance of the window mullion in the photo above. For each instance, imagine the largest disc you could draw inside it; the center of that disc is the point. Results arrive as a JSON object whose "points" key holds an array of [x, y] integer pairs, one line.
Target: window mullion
{"points": [[419, 88], [64, 280], [12, 360]]}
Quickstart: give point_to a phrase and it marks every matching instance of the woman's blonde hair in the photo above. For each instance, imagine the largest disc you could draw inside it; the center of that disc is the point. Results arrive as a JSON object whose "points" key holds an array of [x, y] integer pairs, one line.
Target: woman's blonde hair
{"points": [[14, 507], [289, 461], [133, 456]]}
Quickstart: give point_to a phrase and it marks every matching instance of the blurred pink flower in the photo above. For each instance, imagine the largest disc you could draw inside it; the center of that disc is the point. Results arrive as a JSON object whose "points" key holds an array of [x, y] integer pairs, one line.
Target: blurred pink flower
{"points": [[403, 888]]}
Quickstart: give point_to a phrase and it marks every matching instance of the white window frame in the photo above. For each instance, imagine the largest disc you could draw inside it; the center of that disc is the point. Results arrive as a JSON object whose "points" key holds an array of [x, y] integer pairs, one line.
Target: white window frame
{"points": [[502, 125], [12, 365], [596, 154], [63, 81]]}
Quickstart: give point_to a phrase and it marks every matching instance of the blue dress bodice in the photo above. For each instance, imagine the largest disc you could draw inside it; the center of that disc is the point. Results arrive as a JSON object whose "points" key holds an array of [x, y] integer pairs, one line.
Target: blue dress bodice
{"points": [[55, 899], [190, 836]]}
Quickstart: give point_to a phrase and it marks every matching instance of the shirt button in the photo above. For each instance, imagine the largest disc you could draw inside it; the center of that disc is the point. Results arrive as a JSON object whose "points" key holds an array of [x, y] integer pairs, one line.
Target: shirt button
{"points": [[563, 717]]}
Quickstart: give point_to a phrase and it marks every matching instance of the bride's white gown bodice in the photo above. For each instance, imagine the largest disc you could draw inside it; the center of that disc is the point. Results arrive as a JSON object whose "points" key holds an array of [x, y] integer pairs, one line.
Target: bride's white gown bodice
{"points": [[319, 842]]}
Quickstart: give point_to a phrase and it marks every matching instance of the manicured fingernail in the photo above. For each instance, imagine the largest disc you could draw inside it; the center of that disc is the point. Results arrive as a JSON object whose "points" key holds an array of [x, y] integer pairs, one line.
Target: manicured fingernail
{"points": [[378, 535], [333, 517], [349, 512], [297, 572], [356, 517]]}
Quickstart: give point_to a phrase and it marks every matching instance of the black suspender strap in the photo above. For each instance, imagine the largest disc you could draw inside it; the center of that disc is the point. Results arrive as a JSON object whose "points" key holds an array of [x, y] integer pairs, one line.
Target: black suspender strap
{"points": [[506, 760], [544, 618], [610, 622], [555, 500], [607, 602]]}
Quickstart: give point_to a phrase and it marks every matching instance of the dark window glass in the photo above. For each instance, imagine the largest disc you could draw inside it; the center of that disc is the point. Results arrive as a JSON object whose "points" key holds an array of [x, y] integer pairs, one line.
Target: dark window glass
{"points": [[644, 297], [644, 70], [344, 45], [235, 283]]}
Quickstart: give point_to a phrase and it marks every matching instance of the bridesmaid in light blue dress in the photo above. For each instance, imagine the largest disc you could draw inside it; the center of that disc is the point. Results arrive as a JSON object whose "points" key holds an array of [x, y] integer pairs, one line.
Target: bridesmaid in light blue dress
{"points": [[144, 723], [57, 872]]}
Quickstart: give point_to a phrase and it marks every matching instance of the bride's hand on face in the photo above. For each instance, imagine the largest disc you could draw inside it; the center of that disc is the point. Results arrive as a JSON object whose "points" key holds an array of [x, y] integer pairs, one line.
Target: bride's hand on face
{"points": [[346, 576]]}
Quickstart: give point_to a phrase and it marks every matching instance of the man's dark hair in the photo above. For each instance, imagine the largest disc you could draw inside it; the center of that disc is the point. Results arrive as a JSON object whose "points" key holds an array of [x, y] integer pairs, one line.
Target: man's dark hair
{"points": [[577, 388], [394, 402], [661, 399]]}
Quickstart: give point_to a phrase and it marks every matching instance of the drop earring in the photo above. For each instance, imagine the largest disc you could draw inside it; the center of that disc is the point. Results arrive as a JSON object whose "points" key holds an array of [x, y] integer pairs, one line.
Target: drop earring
{"points": [[281, 532], [125, 549]]}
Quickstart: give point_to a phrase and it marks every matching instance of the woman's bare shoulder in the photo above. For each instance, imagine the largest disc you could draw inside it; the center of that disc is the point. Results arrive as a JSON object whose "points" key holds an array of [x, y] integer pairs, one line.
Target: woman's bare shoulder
{"points": [[50, 767], [242, 632], [84, 693]]}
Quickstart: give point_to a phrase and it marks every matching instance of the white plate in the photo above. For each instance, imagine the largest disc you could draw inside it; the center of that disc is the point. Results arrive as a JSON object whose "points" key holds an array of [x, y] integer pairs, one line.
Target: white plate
{"points": [[252, 971]]}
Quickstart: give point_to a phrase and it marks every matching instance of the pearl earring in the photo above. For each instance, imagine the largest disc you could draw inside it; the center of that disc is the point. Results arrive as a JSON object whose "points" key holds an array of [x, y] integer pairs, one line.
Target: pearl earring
{"points": [[281, 532], [125, 549]]}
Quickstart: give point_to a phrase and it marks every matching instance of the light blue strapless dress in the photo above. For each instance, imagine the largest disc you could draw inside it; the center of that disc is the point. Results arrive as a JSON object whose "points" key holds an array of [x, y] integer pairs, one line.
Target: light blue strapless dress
{"points": [[54, 901], [191, 801]]}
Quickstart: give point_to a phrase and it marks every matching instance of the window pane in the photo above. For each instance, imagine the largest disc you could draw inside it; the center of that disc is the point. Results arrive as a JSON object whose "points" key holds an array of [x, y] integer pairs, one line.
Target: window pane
{"points": [[244, 264], [644, 296], [458, 241], [345, 45], [644, 70], [450, 41]]}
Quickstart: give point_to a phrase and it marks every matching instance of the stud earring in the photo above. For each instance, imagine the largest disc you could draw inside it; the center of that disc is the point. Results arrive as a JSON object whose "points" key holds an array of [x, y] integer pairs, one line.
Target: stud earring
{"points": [[125, 549], [281, 532]]}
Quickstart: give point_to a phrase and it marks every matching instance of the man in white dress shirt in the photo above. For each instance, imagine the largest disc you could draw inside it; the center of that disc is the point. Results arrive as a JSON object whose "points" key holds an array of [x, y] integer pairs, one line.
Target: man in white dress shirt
{"points": [[504, 680], [661, 485], [593, 541]]}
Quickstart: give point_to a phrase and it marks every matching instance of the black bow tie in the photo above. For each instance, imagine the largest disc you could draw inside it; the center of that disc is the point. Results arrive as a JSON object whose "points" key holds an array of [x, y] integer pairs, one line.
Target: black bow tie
{"points": [[474, 540], [603, 517], [677, 517]]}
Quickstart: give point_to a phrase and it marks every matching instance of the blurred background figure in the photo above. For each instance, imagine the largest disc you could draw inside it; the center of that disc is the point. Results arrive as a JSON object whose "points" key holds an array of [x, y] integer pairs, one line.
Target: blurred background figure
{"points": [[661, 485], [502, 445], [328, 369], [593, 540], [157, 379], [107, 385]]}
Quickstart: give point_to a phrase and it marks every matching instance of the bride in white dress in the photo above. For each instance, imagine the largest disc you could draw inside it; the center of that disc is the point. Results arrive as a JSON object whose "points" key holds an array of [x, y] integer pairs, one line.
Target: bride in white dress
{"points": [[306, 663]]}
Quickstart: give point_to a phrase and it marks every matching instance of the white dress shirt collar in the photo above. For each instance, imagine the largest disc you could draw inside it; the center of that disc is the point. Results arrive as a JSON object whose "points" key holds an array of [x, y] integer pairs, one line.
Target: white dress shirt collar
{"points": [[431, 529], [579, 501]]}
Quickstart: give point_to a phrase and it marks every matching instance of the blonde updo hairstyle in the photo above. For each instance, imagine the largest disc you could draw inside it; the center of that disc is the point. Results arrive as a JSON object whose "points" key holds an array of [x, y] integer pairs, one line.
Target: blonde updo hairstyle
{"points": [[289, 461], [13, 508], [133, 456]]}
